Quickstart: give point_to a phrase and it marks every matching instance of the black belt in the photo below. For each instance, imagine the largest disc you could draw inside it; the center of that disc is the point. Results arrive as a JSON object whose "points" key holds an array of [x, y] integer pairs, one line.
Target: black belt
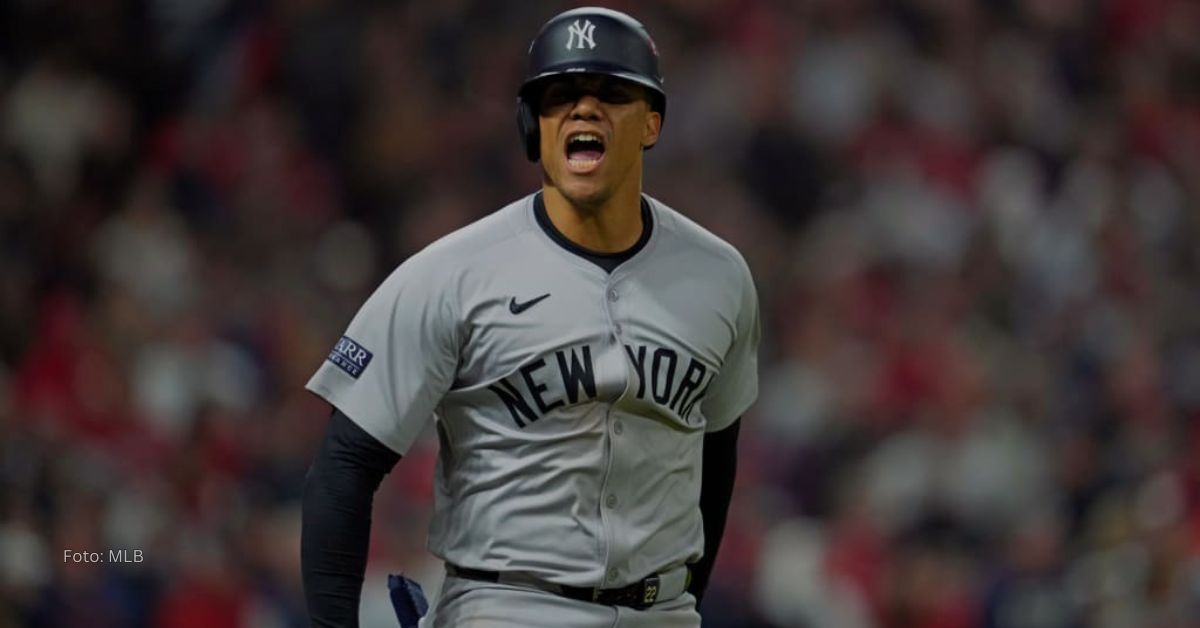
{"points": [[639, 595]]}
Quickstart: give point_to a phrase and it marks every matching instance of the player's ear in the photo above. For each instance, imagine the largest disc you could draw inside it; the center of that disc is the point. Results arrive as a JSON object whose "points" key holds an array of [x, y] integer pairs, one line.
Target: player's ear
{"points": [[651, 129]]}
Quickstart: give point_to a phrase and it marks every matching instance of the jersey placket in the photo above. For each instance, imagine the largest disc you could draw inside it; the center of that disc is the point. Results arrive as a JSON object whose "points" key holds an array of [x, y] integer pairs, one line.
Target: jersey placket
{"points": [[614, 428], [590, 273]]}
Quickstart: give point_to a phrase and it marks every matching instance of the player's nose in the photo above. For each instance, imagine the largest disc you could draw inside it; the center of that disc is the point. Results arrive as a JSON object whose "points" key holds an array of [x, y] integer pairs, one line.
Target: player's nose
{"points": [[587, 107]]}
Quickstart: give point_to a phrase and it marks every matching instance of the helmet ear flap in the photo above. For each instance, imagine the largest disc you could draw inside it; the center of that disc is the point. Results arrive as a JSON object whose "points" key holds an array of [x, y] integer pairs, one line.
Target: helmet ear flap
{"points": [[527, 126]]}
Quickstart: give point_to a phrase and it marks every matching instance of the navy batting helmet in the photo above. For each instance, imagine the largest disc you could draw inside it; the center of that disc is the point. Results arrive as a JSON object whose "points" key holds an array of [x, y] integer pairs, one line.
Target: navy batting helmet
{"points": [[590, 40]]}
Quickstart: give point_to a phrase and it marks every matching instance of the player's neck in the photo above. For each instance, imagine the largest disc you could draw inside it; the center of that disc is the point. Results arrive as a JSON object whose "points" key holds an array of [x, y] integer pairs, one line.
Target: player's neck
{"points": [[611, 227]]}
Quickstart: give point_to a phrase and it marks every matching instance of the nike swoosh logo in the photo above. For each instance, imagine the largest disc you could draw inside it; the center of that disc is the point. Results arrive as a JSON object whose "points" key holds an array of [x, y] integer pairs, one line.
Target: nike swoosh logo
{"points": [[517, 308]]}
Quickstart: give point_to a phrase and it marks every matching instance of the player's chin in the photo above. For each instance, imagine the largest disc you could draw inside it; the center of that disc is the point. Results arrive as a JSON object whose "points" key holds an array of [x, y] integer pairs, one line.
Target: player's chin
{"points": [[583, 192]]}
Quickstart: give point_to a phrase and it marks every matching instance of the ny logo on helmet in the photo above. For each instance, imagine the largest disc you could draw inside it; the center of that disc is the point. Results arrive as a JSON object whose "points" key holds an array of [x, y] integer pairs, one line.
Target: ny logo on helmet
{"points": [[578, 35]]}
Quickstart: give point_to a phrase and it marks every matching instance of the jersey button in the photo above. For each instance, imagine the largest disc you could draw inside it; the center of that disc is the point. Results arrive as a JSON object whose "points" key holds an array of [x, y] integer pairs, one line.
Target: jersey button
{"points": [[617, 329], [618, 428], [612, 575], [612, 294], [611, 501]]}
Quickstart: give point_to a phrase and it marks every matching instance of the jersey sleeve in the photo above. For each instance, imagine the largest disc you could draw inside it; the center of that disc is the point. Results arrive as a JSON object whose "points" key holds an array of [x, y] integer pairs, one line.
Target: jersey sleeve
{"points": [[397, 358], [735, 386]]}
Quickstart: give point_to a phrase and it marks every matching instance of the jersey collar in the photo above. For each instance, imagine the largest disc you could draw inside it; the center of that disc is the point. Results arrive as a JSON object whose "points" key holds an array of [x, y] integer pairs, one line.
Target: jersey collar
{"points": [[607, 263]]}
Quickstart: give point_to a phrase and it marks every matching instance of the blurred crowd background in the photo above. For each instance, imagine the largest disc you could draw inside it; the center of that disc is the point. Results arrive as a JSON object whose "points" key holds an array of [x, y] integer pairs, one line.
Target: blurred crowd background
{"points": [[975, 228]]}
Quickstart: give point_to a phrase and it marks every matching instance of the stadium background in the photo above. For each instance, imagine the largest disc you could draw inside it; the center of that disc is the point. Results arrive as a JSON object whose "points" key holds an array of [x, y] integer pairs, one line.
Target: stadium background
{"points": [[974, 226]]}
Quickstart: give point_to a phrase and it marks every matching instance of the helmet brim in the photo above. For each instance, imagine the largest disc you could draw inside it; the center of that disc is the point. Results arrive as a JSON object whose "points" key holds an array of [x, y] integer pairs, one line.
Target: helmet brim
{"points": [[528, 91]]}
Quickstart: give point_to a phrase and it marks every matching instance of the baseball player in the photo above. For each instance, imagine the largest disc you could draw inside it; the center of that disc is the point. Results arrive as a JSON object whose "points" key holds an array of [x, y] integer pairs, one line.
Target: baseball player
{"points": [[587, 352]]}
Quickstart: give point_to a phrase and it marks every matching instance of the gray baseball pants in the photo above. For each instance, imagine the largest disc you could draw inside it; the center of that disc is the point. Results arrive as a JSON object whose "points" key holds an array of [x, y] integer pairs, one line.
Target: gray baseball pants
{"points": [[465, 603]]}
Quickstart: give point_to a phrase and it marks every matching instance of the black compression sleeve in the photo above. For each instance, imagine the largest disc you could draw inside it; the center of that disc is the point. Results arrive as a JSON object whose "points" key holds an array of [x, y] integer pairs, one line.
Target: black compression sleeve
{"points": [[336, 520], [716, 489]]}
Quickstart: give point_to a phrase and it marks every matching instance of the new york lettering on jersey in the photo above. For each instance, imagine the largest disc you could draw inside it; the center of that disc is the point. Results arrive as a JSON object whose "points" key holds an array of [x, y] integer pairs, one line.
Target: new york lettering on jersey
{"points": [[675, 382]]}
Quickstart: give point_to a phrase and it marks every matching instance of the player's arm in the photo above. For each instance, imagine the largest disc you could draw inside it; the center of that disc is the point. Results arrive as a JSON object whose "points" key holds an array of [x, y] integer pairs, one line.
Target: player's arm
{"points": [[336, 519], [716, 490], [731, 393]]}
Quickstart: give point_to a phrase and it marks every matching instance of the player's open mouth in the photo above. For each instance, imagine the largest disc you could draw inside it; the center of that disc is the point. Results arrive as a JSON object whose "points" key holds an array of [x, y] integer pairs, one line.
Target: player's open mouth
{"points": [[585, 151]]}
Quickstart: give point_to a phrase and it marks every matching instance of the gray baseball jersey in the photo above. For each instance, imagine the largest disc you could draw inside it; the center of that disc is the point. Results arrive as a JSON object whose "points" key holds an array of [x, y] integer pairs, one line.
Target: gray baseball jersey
{"points": [[571, 403]]}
